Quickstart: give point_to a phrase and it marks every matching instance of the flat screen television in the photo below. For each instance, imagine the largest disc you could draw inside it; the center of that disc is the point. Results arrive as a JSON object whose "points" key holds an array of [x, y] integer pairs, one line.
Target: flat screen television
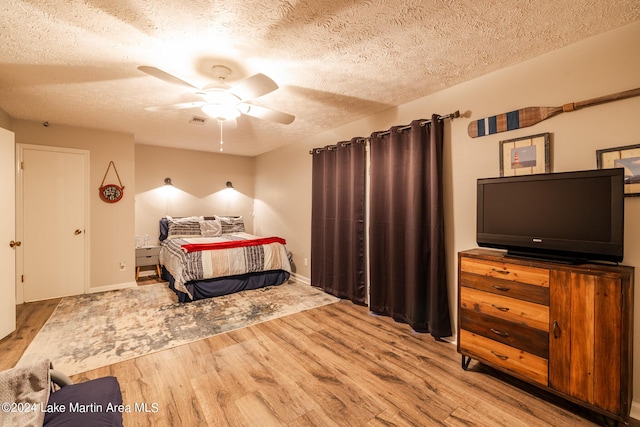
{"points": [[569, 216]]}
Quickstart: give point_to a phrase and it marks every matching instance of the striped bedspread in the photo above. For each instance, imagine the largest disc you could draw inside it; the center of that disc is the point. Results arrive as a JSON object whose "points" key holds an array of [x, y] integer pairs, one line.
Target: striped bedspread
{"points": [[220, 261]]}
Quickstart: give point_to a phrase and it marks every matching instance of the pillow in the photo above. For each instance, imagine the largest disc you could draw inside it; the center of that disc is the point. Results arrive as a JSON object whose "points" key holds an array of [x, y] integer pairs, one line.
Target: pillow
{"points": [[164, 229], [231, 224], [186, 218], [210, 228], [183, 228], [164, 224]]}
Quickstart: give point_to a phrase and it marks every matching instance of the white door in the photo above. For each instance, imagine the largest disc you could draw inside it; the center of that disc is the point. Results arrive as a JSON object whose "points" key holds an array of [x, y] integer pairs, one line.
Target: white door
{"points": [[7, 233], [54, 212]]}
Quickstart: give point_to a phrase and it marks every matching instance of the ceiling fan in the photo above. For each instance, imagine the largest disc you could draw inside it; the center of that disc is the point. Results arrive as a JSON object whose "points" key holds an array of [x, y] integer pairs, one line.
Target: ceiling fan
{"points": [[222, 102]]}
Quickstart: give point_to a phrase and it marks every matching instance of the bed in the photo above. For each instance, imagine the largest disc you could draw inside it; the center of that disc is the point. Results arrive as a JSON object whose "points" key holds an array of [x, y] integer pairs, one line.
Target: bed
{"points": [[204, 257]]}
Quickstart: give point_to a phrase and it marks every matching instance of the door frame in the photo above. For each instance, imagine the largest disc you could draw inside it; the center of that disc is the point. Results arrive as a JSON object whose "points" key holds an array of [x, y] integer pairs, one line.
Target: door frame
{"points": [[20, 211], [8, 254]]}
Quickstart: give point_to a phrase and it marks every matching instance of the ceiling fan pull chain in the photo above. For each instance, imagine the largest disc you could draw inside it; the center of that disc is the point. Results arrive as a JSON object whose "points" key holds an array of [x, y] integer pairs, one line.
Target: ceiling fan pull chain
{"points": [[221, 142]]}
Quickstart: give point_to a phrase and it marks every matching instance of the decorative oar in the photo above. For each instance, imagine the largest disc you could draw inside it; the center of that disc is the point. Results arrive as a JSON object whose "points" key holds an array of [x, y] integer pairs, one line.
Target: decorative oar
{"points": [[529, 116]]}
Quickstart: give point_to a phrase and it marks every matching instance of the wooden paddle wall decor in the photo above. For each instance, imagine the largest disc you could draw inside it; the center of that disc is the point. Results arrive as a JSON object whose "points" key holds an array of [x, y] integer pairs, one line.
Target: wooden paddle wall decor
{"points": [[529, 116]]}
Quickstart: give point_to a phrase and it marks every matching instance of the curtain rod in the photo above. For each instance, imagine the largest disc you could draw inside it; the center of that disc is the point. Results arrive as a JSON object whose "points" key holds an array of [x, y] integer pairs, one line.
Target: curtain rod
{"points": [[451, 116], [454, 115]]}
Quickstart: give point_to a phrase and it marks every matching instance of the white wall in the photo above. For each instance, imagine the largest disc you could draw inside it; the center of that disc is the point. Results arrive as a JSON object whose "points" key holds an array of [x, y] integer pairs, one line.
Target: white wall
{"points": [[598, 66], [198, 188]]}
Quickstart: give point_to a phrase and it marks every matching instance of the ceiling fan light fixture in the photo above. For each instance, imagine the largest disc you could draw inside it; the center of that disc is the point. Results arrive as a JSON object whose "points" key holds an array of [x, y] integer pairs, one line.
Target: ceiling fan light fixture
{"points": [[223, 102], [220, 96], [221, 112]]}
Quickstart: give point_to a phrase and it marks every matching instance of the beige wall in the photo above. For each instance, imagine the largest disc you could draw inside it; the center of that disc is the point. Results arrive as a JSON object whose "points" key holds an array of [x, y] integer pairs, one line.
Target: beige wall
{"points": [[111, 225], [5, 120], [598, 66], [199, 180], [277, 185]]}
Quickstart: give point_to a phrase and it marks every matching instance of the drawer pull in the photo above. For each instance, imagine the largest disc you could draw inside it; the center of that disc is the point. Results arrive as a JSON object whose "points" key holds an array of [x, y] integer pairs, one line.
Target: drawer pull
{"points": [[499, 356], [505, 272], [497, 307], [501, 288], [502, 334]]}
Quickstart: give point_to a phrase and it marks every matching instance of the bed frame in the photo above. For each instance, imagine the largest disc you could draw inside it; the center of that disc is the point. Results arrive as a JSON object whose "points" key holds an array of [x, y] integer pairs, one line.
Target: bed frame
{"points": [[209, 288]]}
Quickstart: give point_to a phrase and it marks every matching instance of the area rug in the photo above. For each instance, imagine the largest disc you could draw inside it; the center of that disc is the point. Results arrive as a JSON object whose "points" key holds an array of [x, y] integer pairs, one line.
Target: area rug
{"points": [[89, 331]]}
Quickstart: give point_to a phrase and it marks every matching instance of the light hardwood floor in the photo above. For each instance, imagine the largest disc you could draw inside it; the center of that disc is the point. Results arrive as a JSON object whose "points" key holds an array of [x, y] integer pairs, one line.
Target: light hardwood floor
{"points": [[29, 319], [337, 365]]}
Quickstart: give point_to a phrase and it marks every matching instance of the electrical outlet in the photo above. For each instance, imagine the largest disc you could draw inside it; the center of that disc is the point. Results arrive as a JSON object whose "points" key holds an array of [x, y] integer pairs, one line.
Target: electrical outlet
{"points": [[123, 266], [306, 261]]}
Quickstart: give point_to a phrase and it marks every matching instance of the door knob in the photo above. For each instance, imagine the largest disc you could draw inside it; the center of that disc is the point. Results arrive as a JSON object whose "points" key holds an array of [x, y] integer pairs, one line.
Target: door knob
{"points": [[78, 231], [13, 244]]}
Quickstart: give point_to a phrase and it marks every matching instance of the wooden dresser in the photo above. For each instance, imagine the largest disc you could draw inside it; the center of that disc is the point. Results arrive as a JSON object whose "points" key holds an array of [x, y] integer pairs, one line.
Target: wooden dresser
{"points": [[565, 328]]}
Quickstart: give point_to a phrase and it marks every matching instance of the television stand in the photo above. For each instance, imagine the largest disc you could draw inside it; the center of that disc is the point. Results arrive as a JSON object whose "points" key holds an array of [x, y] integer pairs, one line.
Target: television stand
{"points": [[565, 328]]}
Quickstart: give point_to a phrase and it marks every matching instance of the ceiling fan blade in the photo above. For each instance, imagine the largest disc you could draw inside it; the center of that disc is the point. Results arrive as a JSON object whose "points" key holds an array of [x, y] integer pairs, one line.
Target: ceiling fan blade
{"points": [[253, 87], [181, 106], [163, 75], [269, 114]]}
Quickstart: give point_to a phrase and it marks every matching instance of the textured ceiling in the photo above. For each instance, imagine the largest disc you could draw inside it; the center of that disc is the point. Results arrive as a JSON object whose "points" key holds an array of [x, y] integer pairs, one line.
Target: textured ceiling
{"points": [[75, 62]]}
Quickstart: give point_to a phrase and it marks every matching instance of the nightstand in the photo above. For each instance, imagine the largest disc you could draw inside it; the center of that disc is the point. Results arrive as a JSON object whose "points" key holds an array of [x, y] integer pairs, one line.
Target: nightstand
{"points": [[147, 256]]}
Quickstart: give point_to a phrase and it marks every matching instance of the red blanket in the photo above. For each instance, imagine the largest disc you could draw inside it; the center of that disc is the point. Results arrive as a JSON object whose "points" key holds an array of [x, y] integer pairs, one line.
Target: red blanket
{"points": [[195, 247]]}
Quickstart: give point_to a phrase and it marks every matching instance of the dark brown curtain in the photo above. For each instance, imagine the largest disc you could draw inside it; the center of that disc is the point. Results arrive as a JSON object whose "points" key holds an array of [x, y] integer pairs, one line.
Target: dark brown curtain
{"points": [[337, 220], [406, 233]]}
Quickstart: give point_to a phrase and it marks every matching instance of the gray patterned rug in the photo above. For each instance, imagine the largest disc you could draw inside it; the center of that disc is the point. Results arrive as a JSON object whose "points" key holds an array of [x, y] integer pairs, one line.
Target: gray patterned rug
{"points": [[89, 331]]}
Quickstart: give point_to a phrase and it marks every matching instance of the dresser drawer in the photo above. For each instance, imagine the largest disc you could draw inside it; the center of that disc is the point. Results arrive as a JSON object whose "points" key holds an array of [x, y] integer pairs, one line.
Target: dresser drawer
{"points": [[508, 272], [147, 260], [147, 251], [525, 364], [514, 310], [531, 340], [532, 293]]}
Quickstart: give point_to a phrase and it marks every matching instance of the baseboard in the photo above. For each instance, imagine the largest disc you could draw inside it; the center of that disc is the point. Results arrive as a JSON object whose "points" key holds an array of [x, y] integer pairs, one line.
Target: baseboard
{"points": [[115, 287], [302, 279], [635, 414]]}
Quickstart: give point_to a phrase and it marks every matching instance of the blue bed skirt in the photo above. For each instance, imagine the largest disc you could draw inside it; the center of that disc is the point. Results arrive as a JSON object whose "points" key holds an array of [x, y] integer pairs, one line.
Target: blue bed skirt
{"points": [[226, 285]]}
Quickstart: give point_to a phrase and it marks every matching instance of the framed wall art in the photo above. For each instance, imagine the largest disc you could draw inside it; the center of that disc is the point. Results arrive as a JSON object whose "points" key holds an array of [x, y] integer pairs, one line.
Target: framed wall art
{"points": [[627, 157], [527, 155]]}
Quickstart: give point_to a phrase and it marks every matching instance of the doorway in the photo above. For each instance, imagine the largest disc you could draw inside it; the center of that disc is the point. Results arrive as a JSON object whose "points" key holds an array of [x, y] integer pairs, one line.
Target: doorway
{"points": [[52, 221]]}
